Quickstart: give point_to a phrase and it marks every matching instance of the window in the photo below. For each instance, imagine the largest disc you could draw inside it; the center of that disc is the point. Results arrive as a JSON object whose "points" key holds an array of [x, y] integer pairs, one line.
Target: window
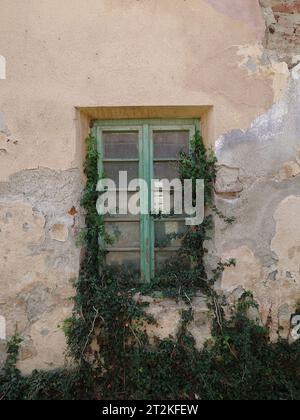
{"points": [[145, 149]]}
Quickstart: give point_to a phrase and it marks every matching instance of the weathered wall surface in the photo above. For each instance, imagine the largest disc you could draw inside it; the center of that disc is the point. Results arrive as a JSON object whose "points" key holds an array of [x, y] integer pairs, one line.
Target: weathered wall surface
{"points": [[60, 55], [38, 257], [259, 184], [264, 240], [283, 28], [213, 54]]}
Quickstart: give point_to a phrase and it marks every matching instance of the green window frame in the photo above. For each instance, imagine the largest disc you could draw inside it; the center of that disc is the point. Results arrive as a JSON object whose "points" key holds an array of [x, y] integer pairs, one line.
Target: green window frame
{"points": [[146, 162]]}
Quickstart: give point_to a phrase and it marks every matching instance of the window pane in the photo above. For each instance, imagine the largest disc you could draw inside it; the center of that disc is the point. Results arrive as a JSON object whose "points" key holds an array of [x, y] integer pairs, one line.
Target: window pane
{"points": [[126, 234], [121, 154], [169, 258], [166, 170], [112, 170], [169, 144], [163, 230], [128, 260], [118, 145], [168, 203], [122, 208]]}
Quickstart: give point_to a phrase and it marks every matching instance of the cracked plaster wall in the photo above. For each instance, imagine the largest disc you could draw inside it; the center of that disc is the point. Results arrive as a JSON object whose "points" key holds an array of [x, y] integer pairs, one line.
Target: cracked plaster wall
{"points": [[39, 261], [265, 199], [222, 55]]}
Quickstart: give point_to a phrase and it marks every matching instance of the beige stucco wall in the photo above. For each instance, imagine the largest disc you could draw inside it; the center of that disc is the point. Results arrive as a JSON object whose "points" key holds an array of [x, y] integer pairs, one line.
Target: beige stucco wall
{"points": [[62, 55], [70, 61]]}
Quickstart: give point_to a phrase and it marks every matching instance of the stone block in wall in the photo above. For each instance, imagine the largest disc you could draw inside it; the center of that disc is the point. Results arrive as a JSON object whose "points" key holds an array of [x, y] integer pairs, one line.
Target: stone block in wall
{"points": [[59, 232], [228, 182], [168, 313]]}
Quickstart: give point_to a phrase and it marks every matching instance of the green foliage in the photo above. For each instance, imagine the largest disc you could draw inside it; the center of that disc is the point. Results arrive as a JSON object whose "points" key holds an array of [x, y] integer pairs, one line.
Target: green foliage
{"points": [[106, 334], [57, 385], [13, 348], [199, 163]]}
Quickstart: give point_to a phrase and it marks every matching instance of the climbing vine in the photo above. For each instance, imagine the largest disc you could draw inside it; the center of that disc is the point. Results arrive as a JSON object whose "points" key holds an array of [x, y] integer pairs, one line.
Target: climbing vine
{"points": [[107, 338]]}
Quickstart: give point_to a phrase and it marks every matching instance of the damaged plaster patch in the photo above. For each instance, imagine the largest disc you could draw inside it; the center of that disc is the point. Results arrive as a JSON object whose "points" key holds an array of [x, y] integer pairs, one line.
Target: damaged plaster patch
{"points": [[289, 170], [272, 140], [247, 264], [265, 239], [2, 68], [228, 182], [3, 127], [286, 242], [296, 72], [59, 232], [277, 298], [35, 276], [12, 218], [49, 348], [267, 156], [258, 61], [267, 13], [282, 36]]}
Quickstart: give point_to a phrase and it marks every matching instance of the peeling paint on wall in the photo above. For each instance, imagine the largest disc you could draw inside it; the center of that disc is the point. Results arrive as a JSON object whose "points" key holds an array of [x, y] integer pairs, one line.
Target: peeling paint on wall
{"points": [[264, 239], [258, 61], [273, 138]]}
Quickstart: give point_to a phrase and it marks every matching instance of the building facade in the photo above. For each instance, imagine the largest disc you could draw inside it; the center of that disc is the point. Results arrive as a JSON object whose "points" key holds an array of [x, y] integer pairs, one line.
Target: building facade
{"points": [[231, 64]]}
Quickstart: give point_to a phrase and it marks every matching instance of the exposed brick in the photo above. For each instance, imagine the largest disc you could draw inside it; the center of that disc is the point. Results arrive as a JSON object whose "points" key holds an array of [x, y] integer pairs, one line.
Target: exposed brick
{"points": [[287, 7], [283, 35]]}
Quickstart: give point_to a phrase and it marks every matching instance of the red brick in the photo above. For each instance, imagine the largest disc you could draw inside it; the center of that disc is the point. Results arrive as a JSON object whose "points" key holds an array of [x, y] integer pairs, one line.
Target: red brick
{"points": [[287, 7]]}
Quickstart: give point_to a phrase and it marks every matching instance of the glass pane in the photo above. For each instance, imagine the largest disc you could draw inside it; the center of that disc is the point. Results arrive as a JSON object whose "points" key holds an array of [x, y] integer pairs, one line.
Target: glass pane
{"points": [[168, 203], [169, 258], [166, 170], [128, 260], [169, 144], [118, 145], [164, 232], [112, 170], [122, 208], [126, 234]]}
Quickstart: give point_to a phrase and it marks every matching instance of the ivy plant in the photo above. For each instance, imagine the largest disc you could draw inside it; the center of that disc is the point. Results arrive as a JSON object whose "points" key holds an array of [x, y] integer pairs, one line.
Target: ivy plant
{"points": [[107, 333]]}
